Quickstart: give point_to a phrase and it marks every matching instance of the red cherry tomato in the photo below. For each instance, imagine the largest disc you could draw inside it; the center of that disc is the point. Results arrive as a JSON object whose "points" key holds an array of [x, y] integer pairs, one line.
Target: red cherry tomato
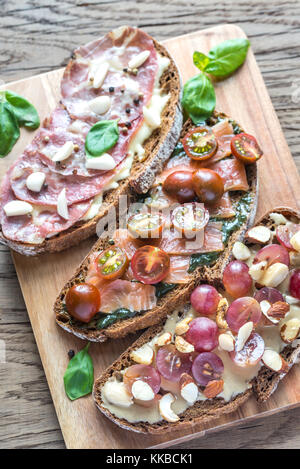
{"points": [[200, 143], [83, 301], [112, 263], [150, 265], [179, 185], [246, 148], [208, 186]]}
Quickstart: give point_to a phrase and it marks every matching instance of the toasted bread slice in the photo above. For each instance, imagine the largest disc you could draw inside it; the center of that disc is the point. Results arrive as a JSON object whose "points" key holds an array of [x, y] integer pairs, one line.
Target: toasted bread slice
{"points": [[267, 380], [201, 412], [179, 295], [158, 148]]}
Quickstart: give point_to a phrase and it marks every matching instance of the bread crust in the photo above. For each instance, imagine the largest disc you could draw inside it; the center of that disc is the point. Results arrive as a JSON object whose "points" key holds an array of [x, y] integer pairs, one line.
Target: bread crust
{"points": [[158, 148], [171, 300]]}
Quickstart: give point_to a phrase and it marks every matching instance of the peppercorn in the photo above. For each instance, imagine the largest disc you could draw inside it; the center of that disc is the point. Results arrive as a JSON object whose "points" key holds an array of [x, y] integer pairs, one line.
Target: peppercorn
{"points": [[128, 110], [136, 101], [71, 354], [128, 124], [111, 89]]}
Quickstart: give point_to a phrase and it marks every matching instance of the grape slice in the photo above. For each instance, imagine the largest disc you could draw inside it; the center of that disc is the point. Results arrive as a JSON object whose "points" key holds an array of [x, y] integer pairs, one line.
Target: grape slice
{"points": [[236, 279], [295, 284], [268, 294], [207, 367], [272, 253], [241, 311], [145, 373], [203, 334], [205, 299], [171, 364], [252, 352], [285, 232]]}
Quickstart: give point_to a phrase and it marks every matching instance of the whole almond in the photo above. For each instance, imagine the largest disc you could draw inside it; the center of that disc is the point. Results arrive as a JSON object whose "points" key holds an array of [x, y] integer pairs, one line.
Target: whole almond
{"points": [[279, 310], [213, 388]]}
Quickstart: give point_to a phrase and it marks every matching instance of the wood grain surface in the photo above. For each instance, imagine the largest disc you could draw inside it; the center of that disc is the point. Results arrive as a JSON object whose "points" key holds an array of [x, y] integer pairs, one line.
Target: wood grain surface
{"points": [[44, 34]]}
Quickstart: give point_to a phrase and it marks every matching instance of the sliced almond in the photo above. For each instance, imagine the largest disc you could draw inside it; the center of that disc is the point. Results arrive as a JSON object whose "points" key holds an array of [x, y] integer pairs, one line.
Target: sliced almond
{"points": [[274, 361], [183, 346], [164, 339], [100, 105], [116, 393], [291, 300], [274, 275], [256, 271], [221, 314], [188, 388], [165, 408], [295, 241], [143, 355], [183, 326], [258, 234], [213, 388], [240, 251], [278, 218], [226, 342], [142, 391], [243, 335], [290, 330]]}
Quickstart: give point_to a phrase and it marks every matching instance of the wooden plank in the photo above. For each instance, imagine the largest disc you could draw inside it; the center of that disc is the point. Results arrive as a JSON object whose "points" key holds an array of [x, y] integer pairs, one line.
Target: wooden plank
{"points": [[245, 98]]}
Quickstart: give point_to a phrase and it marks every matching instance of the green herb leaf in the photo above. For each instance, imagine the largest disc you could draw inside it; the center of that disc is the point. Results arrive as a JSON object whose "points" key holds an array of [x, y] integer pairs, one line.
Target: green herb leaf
{"points": [[106, 320], [79, 376], [199, 98], [226, 57], [198, 260], [200, 60], [9, 128], [161, 288], [25, 113], [101, 137]]}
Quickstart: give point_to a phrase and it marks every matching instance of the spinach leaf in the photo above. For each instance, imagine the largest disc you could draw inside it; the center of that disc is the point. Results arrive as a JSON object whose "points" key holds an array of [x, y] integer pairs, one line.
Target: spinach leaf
{"points": [[242, 209], [9, 128], [198, 260], [101, 137], [106, 320], [161, 288], [25, 113], [226, 57], [79, 376], [199, 98], [200, 60]]}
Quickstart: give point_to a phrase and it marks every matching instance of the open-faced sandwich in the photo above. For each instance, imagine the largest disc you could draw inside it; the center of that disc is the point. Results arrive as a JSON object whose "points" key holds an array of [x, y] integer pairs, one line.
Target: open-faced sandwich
{"points": [[178, 233], [116, 124], [234, 338]]}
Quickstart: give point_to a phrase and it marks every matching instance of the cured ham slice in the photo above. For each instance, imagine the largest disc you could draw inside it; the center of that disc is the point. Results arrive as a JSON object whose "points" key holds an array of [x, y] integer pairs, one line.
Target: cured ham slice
{"points": [[134, 296], [233, 173], [42, 223], [179, 266], [223, 209], [172, 244], [115, 50], [124, 240]]}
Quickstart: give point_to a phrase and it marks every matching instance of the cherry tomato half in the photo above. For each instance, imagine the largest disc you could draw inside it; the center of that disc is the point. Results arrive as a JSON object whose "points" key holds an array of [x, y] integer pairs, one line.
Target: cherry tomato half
{"points": [[200, 143], [150, 265], [246, 148], [83, 301], [112, 263], [190, 219], [208, 186], [145, 225], [180, 185]]}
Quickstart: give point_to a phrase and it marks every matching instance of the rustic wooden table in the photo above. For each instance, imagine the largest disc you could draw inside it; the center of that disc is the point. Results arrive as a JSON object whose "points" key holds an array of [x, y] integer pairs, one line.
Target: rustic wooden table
{"points": [[37, 36]]}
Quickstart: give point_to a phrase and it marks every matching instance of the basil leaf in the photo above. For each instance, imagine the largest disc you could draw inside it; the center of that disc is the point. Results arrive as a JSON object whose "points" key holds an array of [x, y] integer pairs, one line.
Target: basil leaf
{"points": [[198, 260], [79, 376], [226, 57], [199, 98], [106, 320], [25, 113], [161, 288], [9, 129], [200, 60], [101, 137]]}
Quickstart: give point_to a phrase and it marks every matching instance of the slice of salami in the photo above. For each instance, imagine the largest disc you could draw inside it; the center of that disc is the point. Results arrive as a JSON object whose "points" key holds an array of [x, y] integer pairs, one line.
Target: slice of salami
{"points": [[123, 87], [43, 221]]}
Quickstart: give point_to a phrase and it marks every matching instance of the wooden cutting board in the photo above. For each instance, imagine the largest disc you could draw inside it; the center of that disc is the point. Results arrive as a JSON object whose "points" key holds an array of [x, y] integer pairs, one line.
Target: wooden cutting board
{"points": [[244, 97]]}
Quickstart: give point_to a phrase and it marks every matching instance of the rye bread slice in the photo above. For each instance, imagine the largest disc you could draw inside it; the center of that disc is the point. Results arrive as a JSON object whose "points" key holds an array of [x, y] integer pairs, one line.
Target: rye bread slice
{"points": [[158, 148], [179, 295], [201, 412], [267, 380]]}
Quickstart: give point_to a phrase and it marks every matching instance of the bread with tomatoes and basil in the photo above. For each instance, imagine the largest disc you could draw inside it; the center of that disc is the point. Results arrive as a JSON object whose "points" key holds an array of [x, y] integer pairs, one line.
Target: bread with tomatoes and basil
{"points": [[232, 340], [145, 269], [117, 122]]}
